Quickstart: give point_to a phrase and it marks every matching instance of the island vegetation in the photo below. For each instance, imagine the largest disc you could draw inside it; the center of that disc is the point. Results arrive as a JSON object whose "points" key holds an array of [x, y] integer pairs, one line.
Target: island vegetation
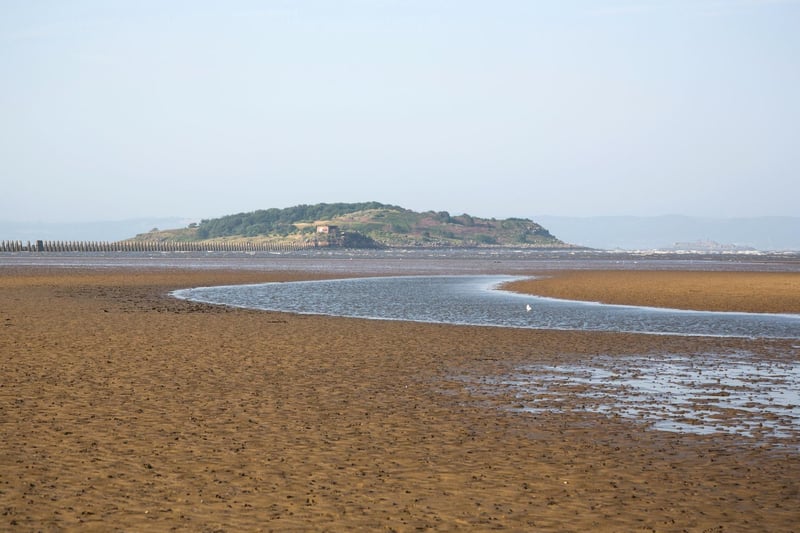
{"points": [[362, 225]]}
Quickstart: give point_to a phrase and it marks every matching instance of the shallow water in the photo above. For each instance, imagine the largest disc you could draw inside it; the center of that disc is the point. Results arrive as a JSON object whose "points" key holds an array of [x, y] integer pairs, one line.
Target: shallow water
{"points": [[703, 393], [474, 300], [412, 261], [739, 394]]}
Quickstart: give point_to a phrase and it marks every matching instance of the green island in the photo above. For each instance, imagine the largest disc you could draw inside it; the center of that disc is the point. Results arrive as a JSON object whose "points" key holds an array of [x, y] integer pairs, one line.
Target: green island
{"points": [[360, 225]]}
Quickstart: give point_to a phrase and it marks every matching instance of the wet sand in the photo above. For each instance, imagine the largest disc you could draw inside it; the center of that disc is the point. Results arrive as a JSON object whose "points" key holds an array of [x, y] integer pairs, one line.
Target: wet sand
{"points": [[758, 292], [124, 409]]}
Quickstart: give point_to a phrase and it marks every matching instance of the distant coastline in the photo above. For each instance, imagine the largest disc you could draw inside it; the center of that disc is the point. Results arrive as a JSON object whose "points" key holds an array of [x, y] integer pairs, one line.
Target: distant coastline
{"points": [[678, 234]]}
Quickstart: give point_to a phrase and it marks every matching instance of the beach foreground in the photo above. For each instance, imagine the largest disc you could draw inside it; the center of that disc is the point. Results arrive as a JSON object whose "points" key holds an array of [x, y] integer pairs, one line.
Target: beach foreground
{"points": [[123, 408]]}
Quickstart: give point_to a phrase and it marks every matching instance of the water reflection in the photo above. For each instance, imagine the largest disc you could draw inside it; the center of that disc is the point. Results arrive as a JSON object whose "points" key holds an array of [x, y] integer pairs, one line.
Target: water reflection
{"points": [[703, 393], [474, 300]]}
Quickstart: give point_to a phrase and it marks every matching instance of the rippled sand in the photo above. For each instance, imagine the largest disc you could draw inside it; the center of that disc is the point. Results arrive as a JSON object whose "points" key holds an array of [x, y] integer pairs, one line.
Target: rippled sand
{"points": [[121, 408]]}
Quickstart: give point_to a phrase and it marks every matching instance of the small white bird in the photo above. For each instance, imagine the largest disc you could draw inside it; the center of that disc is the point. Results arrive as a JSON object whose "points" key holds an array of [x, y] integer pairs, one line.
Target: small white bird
{"points": [[527, 307]]}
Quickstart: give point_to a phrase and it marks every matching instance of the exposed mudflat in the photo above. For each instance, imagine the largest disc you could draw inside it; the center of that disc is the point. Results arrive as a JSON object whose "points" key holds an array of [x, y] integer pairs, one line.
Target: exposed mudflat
{"points": [[123, 408]]}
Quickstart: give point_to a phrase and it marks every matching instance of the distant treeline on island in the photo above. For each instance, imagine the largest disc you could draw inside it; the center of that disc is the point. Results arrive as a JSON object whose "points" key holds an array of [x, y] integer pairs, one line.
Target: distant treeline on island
{"points": [[343, 225], [362, 225]]}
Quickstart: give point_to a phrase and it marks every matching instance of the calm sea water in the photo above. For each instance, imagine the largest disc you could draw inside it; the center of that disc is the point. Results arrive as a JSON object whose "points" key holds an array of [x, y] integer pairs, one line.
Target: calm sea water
{"points": [[476, 300], [412, 261]]}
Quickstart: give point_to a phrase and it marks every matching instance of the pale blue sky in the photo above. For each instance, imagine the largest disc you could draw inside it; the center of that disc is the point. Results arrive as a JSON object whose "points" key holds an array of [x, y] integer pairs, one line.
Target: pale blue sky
{"points": [[134, 108]]}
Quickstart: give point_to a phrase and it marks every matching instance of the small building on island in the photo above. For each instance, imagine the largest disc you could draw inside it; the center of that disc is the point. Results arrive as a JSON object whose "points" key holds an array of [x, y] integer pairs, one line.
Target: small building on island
{"points": [[331, 236], [331, 231]]}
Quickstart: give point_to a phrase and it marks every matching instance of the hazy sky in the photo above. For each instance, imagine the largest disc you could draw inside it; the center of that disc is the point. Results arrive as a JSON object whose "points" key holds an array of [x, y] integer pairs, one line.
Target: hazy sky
{"points": [[134, 108]]}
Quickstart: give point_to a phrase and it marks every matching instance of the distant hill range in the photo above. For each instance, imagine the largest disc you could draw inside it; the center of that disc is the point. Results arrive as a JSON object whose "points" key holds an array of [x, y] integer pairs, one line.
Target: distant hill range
{"points": [[362, 225], [676, 232]]}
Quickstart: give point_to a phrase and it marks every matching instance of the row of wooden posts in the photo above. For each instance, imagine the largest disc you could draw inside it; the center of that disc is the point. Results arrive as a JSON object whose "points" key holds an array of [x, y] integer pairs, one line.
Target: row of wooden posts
{"points": [[151, 246]]}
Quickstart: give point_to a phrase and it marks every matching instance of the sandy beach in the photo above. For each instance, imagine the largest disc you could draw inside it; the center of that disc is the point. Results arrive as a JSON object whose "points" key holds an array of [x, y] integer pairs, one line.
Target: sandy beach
{"points": [[757, 292], [122, 408]]}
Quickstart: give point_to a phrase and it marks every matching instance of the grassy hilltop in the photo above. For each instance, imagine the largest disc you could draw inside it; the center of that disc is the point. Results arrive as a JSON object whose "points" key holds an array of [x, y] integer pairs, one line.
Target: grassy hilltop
{"points": [[362, 225]]}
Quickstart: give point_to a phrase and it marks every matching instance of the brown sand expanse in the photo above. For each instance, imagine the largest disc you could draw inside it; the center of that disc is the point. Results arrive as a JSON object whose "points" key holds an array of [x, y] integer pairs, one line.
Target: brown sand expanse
{"points": [[759, 292], [124, 409]]}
